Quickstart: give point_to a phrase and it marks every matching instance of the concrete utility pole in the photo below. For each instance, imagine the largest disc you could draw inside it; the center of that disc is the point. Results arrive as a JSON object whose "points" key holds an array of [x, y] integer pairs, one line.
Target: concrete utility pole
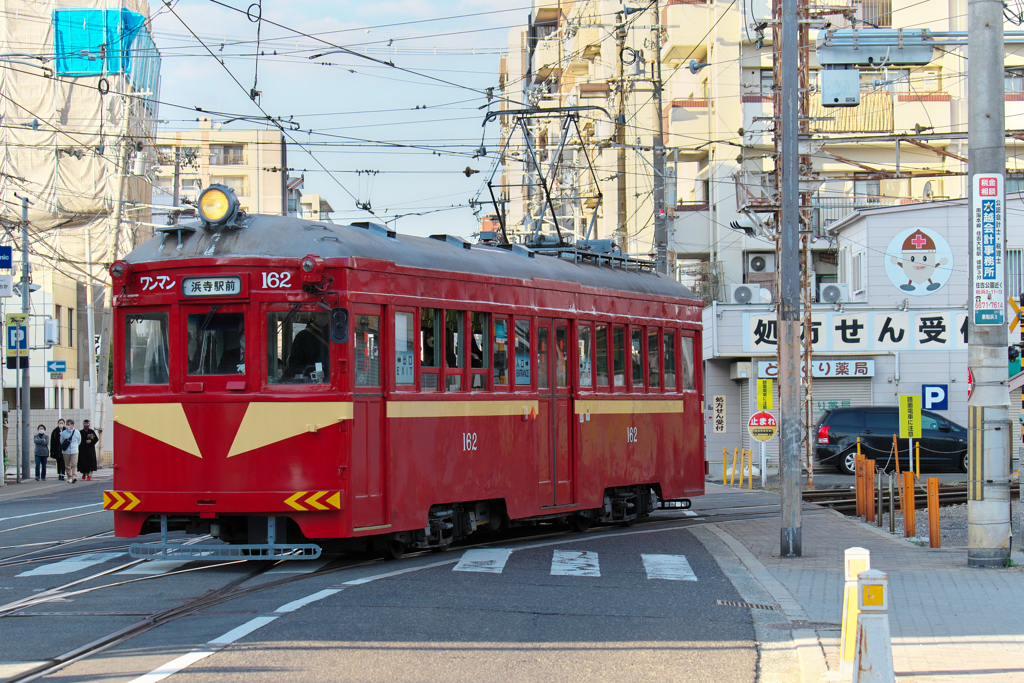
{"points": [[988, 515], [620, 135], [788, 169], [91, 324], [25, 379], [660, 216]]}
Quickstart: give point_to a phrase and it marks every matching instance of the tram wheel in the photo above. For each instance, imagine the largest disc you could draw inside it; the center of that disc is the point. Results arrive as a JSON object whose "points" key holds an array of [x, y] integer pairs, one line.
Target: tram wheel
{"points": [[393, 550], [579, 523]]}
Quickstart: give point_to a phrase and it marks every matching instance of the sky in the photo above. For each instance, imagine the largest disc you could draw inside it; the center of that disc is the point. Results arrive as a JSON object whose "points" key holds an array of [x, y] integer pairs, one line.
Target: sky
{"points": [[352, 115]]}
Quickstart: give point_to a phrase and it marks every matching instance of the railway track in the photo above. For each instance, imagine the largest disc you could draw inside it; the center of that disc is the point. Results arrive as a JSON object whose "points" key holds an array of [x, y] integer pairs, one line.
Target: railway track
{"points": [[844, 500]]}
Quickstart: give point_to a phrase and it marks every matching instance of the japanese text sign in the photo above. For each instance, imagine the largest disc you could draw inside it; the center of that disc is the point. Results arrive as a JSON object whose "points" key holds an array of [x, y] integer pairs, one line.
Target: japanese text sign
{"points": [[764, 394], [987, 212], [910, 416]]}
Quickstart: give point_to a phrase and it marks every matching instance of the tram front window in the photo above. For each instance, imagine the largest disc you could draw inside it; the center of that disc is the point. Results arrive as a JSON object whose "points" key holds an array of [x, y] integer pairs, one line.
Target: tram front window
{"points": [[216, 343], [145, 348], [298, 347]]}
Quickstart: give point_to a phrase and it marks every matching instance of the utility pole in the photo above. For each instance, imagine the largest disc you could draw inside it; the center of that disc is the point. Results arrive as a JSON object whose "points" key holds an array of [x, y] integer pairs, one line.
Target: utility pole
{"points": [[620, 134], [988, 514], [25, 386], [91, 324], [660, 216], [788, 175]]}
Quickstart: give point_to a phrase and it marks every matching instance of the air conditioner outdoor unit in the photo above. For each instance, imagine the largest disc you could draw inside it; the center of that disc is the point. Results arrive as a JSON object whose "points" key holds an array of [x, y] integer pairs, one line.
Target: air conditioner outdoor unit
{"points": [[749, 294], [761, 263], [833, 293]]}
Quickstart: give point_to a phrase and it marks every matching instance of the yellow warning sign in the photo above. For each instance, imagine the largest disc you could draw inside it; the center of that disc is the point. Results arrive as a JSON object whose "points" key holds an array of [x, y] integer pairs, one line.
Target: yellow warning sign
{"points": [[306, 501], [910, 416], [764, 394], [119, 500]]}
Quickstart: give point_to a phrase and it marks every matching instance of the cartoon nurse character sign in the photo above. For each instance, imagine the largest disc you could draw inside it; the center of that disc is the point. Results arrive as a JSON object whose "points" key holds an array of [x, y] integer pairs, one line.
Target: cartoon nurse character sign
{"points": [[919, 261]]}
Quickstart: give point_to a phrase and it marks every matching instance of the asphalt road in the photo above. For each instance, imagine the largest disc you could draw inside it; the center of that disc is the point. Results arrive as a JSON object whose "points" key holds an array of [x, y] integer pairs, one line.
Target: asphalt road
{"points": [[555, 606]]}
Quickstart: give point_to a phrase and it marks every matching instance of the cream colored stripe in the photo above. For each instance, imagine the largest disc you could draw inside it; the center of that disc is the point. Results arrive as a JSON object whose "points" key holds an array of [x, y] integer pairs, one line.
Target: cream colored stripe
{"points": [[628, 407], [163, 421], [460, 408], [269, 422]]}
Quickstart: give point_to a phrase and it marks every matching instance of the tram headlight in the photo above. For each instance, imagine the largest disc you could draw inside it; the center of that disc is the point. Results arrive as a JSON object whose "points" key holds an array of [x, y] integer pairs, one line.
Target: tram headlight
{"points": [[308, 264], [312, 267], [218, 204], [119, 271]]}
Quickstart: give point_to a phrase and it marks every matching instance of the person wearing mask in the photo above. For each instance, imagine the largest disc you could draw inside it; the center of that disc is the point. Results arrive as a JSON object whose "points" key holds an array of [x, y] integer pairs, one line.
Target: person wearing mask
{"points": [[87, 452], [73, 438], [55, 452], [42, 442]]}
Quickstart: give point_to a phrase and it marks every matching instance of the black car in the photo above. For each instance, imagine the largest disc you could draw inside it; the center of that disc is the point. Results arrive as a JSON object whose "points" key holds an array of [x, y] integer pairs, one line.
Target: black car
{"points": [[943, 442]]}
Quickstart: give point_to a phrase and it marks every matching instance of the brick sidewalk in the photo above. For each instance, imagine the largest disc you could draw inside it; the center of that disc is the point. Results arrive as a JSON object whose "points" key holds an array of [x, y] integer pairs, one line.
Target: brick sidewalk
{"points": [[948, 622]]}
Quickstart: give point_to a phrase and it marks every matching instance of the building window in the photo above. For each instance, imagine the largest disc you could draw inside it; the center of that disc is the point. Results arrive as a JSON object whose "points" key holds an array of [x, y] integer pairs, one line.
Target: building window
{"points": [[866, 188], [71, 399], [1014, 183], [238, 183], [227, 155], [1013, 80], [857, 272], [877, 13], [767, 83], [56, 316], [71, 327]]}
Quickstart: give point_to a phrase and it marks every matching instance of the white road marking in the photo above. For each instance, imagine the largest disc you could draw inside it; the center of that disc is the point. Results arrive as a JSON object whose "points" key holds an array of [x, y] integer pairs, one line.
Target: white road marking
{"points": [[689, 513], [296, 604], [171, 667], [487, 560], [71, 564], [155, 567], [241, 631], [575, 563], [50, 512], [299, 566], [669, 567], [399, 572]]}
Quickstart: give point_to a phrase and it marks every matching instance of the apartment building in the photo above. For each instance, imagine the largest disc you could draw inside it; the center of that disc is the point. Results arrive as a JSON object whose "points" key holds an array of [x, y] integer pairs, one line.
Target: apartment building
{"points": [[253, 163]]}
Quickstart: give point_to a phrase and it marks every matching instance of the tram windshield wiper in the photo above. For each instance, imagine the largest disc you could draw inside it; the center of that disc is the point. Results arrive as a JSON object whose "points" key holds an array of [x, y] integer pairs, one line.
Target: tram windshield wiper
{"points": [[208, 318]]}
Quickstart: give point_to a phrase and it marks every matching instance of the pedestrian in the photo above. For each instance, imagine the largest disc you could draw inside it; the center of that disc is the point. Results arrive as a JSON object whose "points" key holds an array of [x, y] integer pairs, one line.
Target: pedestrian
{"points": [[55, 452], [42, 442], [87, 452], [73, 439]]}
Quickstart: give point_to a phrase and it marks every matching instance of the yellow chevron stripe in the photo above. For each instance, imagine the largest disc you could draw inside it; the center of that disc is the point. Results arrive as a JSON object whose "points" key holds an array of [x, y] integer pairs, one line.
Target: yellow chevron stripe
{"points": [[335, 500], [119, 500], [135, 501], [293, 501], [312, 500]]}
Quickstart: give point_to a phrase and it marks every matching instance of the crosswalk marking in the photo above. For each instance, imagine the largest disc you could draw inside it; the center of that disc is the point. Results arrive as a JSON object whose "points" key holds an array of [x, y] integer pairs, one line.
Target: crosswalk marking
{"points": [[487, 560], [669, 567], [689, 513], [71, 564], [299, 567], [575, 563]]}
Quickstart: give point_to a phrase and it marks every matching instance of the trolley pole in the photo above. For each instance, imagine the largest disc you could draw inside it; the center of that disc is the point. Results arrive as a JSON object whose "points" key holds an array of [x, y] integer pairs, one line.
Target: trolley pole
{"points": [[988, 514], [789, 306], [25, 380]]}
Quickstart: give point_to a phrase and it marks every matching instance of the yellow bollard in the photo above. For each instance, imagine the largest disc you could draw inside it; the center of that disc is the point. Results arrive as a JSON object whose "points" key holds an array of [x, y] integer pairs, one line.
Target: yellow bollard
{"points": [[855, 561], [732, 475], [725, 464], [917, 472], [750, 462]]}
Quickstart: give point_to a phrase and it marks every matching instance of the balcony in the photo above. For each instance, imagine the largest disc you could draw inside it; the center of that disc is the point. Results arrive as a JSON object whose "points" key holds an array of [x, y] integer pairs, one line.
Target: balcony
{"points": [[873, 115], [686, 121], [924, 108], [689, 22], [546, 12], [546, 59], [587, 42], [827, 210]]}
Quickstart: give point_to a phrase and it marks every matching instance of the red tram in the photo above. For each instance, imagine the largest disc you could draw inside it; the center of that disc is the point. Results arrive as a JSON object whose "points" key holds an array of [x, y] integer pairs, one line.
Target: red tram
{"points": [[284, 384]]}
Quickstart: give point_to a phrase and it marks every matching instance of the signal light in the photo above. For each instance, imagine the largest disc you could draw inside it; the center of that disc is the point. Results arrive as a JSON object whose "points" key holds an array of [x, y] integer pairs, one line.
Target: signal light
{"points": [[1013, 353], [218, 205]]}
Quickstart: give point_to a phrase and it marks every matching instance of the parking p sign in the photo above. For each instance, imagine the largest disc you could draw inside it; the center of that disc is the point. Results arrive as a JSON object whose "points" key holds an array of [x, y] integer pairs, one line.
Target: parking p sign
{"points": [[935, 396]]}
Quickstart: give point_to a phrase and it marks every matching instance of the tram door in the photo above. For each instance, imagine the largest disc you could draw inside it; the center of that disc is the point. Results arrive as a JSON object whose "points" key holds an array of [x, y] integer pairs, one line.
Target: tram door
{"points": [[368, 467], [556, 452]]}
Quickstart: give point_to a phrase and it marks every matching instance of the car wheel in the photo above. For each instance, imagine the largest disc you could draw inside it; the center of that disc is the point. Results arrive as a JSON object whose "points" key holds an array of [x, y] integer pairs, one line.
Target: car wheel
{"points": [[963, 463], [848, 463]]}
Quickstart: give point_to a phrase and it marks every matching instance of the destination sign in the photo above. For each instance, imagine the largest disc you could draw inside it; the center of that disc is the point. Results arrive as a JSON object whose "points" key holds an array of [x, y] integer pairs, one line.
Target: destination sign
{"points": [[226, 285]]}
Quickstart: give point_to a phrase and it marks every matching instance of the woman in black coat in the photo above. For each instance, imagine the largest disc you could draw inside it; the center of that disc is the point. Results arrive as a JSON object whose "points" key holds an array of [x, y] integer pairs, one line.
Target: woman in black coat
{"points": [[87, 452], [55, 451]]}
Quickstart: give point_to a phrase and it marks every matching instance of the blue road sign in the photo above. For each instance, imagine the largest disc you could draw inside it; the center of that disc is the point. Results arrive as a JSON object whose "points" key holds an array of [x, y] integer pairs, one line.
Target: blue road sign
{"points": [[935, 396], [6, 257], [56, 366]]}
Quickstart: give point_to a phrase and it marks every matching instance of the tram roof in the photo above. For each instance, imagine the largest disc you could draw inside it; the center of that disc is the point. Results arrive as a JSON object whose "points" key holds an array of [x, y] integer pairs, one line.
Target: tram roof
{"points": [[282, 237]]}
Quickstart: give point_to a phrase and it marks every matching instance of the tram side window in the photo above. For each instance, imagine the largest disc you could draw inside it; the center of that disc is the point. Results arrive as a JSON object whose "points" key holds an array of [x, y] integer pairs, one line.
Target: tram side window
{"points": [[670, 361], [367, 331], [687, 363], [501, 353], [145, 349], [542, 357], [653, 359], [523, 354], [454, 348], [586, 377], [601, 361], [430, 348], [405, 368], [298, 347], [561, 356], [480, 327], [637, 358], [619, 355], [216, 343]]}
